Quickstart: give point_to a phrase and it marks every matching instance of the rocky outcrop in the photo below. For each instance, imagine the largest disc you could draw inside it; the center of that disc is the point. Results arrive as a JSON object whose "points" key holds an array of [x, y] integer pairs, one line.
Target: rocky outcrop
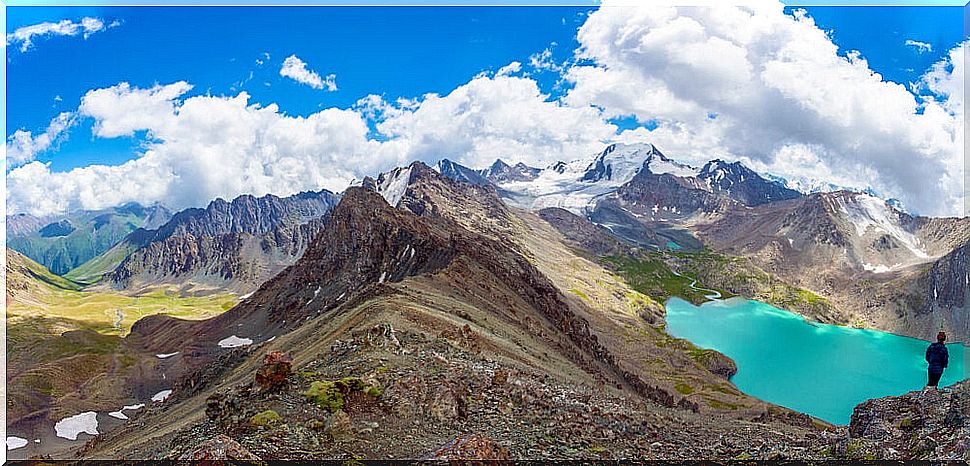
{"points": [[927, 424], [277, 366], [716, 362]]}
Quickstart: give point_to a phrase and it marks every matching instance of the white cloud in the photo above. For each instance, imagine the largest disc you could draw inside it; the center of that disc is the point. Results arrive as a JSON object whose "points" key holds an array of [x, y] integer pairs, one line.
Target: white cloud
{"points": [[784, 101], [488, 118], [509, 69], [201, 147], [23, 146], [778, 87], [920, 46], [121, 110], [297, 70], [87, 26], [543, 61]]}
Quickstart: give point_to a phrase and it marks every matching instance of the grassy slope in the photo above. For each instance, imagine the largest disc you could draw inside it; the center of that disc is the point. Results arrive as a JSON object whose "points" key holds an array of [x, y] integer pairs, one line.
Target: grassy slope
{"points": [[100, 311], [91, 271], [22, 268], [63, 344], [652, 274], [90, 238]]}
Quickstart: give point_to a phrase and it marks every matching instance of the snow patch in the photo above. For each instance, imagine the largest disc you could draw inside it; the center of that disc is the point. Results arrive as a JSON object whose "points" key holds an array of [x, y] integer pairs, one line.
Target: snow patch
{"points": [[246, 296], [119, 414], [383, 276], [14, 443], [394, 184], [865, 212], [71, 427], [166, 355], [161, 396], [234, 342]]}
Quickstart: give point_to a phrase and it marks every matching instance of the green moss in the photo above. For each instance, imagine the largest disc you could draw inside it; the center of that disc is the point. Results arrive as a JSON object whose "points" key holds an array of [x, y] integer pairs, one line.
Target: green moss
{"points": [[718, 404], [579, 293], [331, 395], [265, 418], [326, 395], [905, 423], [596, 449], [683, 388]]}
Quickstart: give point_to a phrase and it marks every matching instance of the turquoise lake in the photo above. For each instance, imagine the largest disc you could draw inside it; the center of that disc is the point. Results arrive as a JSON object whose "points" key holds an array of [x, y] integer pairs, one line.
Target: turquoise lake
{"points": [[819, 369]]}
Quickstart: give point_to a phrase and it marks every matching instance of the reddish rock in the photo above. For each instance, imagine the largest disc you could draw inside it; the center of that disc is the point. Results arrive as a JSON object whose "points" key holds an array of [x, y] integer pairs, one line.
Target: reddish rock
{"points": [[277, 366], [219, 450], [470, 447]]}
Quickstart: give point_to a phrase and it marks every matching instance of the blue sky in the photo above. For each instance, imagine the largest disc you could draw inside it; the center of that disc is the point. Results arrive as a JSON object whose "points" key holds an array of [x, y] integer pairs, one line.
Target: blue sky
{"points": [[404, 52], [396, 52]]}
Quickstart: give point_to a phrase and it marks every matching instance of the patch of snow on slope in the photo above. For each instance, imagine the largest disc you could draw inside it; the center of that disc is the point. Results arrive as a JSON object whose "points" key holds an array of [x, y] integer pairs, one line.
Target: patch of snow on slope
{"points": [[14, 443], [71, 427], [867, 212], [660, 167], [120, 414], [166, 355], [161, 396], [394, 185], [879, 268], [234, 341]]}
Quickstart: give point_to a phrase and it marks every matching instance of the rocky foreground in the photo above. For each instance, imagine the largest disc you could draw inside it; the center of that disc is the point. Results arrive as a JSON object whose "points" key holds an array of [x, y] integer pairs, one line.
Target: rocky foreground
{"points": [[928, 424], [465, 408]]}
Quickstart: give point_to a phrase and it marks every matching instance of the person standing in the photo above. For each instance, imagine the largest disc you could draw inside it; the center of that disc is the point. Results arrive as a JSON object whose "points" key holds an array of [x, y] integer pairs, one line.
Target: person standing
{"points": [[937, 357]]}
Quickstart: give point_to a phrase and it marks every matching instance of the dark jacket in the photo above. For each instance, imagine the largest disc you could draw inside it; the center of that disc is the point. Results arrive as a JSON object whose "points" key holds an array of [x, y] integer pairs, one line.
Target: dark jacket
{"points": [[938, 357]]}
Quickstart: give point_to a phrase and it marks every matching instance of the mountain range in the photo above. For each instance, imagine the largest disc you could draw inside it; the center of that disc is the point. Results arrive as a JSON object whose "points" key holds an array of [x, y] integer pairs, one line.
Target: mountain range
{"points": [[517, 303]]}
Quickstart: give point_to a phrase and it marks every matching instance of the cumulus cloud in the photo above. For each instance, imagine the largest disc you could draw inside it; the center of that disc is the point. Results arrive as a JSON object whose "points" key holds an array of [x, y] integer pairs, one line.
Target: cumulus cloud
{"points": [[25, 35], [23, 146], [488, 118], [751, 83], [296, 69], [920, 46], [784, 99], [201, 147]]}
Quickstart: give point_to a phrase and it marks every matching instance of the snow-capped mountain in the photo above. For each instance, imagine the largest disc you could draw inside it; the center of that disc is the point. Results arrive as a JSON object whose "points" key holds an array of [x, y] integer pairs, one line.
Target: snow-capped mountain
{"points": [[576, 186], [459, 172], [501, 172], [390, 185], [730, 179], [815, 185]]}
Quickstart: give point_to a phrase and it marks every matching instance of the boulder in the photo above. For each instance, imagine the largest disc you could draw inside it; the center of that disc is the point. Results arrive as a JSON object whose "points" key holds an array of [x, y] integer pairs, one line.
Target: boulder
{"points": [[272, 375]]}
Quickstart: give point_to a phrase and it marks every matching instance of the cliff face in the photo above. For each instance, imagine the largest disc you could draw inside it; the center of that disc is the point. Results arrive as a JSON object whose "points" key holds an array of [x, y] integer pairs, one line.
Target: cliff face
{"points": [[236, 245]]}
